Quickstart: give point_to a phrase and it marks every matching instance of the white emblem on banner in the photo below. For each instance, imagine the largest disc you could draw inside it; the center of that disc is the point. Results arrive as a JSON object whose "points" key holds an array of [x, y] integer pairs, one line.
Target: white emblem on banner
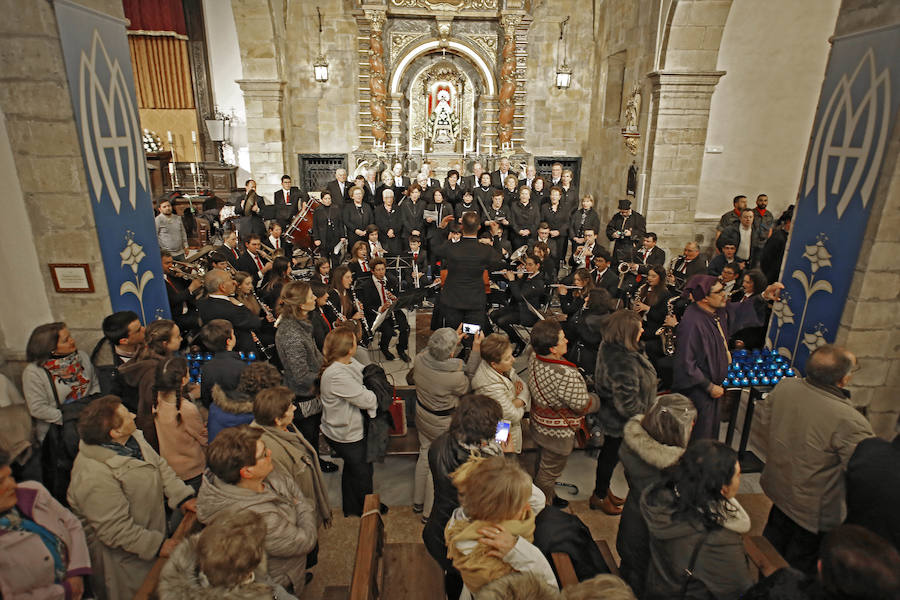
{"points": [[110, 131]]}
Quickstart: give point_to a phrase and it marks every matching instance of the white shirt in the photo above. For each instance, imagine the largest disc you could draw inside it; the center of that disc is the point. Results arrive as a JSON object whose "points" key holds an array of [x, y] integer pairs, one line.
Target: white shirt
{"points": [[746, 239]]}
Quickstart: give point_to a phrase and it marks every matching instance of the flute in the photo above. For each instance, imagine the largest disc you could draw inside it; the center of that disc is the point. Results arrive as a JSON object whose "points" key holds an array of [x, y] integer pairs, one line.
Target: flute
{"points": [[519, 272], [568, 287]]}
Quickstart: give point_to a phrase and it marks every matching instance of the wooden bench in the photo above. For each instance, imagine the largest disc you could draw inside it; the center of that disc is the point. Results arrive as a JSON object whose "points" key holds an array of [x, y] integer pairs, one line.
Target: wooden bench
{"points": [[763, 555], [562, 564], [386, 571], [189, 524]]}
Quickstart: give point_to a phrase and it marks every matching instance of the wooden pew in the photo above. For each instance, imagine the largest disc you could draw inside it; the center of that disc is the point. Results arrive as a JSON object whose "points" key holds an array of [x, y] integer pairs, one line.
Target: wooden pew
{"points": [[147, 591], [763, 555], [368, 567], [562, 564]]}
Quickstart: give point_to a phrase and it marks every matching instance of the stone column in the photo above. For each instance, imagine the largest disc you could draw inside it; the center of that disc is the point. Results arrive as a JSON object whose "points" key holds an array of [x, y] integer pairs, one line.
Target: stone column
{"points": [[395, 125], [264, 103], [377, 76], [508, 79], [676, 141], [489, 108]]}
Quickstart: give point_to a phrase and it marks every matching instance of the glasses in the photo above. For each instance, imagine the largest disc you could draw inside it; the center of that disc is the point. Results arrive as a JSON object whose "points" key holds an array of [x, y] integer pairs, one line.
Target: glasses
{"points": [[717, 292]]}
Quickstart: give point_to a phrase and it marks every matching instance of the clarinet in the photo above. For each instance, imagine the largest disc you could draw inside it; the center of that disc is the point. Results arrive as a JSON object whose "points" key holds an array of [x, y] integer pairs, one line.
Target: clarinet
{"points": [[264, 349], [367, 333], [340, 315], [264, 306]]}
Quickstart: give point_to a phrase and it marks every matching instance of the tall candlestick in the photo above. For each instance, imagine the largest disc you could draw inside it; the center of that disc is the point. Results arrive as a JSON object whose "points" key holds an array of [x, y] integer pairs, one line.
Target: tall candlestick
{"points": [[193, 168], [478, 147], [490, 147], [194, 136], [171, 168], [169, 135], [397, 147]]}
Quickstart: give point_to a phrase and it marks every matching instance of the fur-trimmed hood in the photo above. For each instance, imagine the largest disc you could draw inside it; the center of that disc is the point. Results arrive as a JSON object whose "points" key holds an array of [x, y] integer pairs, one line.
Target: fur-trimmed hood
{"points": [[232, 401], [182, 580], [646, 448]]}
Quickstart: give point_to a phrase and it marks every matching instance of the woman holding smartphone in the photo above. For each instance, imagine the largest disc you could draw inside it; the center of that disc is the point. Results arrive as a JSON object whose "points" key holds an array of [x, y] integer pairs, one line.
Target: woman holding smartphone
{"points": [[496, 379]]}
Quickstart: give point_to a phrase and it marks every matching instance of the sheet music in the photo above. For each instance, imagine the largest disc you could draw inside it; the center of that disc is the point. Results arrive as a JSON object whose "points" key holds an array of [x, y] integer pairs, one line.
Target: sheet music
{"points": [[430, 214], [379, 320], [533, 309]]}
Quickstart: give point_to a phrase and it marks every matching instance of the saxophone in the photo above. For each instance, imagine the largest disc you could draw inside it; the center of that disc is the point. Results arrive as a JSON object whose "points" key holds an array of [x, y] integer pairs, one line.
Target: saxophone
{"points": [[666, 333]]}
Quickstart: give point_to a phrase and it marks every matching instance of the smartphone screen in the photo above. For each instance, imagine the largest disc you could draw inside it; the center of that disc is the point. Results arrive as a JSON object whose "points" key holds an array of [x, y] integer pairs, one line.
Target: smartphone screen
{"points": [[471, 328], [502, 431]]}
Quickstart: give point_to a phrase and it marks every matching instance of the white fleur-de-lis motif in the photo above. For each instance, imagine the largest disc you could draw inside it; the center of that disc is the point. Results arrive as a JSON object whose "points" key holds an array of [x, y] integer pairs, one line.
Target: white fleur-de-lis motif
{"points": [[817, 254], [782, 310], [815, 338], [132, 255]]}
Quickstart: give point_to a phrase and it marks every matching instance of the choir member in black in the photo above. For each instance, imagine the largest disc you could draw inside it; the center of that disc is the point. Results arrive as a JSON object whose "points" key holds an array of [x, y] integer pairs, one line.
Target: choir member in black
{"points": [[400, 182], [221, 304], [583, 253], [701, 346], [274, 280], [430, 183], [773, 251], [650, 253], [413, 210], [484, 192], [728, 256], [357, 216], [527, 180], [540, 193], [626, 230], [557, 218], [436, 227], [276, 243], [419, 258], [370, 188], [328, 227], [427, 190], [471, 182], [339, 188], [686, 266], [359, 260], [252, 261], [323, 318], [752, 285], [498, 240], [528, 286], [182, 294], [549, 265], [584, 328], [498, 213], [386, 183], [373, 241], [499, 177], [288, 201], [585, 218], [651, 302], [249, 209], [453, 190], [466, 204], [556, 170], [390, 224], [377, 296], [569, 200], [511, 191], [341, 296], [604, 274], [525, 218]]}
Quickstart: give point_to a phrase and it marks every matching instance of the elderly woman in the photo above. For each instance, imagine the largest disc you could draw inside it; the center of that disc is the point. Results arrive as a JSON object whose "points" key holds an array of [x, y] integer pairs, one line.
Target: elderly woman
{"points": [[694, 506], [652, 442], [225, 560], [440, 380], [43, 551], [57, 374], [471, 432], [496, 379], [626, 384], [118, 490], [292, 454]]}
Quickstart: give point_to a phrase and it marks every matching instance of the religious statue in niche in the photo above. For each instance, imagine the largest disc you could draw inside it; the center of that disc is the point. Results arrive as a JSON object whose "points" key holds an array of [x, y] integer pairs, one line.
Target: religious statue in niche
{"points": [[443, 113], [632, 114]]}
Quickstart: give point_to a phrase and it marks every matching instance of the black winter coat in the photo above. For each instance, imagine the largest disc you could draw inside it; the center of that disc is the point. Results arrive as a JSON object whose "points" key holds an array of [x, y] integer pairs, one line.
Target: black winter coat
{"points": [[625, 381], [444, 457], [378, 427]]}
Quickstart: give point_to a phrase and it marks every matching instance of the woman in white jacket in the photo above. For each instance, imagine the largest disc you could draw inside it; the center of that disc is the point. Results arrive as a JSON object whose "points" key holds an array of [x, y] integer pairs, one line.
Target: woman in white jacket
{"points": [[496, 379], [343, 395]]}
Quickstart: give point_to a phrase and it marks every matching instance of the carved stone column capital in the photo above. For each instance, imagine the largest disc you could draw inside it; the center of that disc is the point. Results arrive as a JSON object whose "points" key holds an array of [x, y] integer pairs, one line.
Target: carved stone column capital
{"points": [[377, 18], [509, 24]]}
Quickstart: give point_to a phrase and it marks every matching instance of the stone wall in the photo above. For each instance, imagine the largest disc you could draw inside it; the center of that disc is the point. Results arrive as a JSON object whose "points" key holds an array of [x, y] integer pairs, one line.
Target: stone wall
{"points": [[34, 97], [869, 325]]}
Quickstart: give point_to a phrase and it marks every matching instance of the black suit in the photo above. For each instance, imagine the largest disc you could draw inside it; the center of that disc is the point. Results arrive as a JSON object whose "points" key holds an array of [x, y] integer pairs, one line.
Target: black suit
{"points": [[399, 190], [683, 271], [285, 211], [624, 247], [396, 322], [335, 189], [356, 218], [521, 289], [609, 281], [390, 220], [243, 321], [469, 182], [328, 228], [463, 297], [421, 262], [251, 222], [413, 217], [232, 254], [498, 179], [371, 195], [247, 264], [181, 303], [656, 257], [431, 185]]}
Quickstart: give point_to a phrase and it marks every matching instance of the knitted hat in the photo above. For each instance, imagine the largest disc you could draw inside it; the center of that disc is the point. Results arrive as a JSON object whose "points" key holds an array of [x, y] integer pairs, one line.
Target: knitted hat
{"points": [[442, 343]]}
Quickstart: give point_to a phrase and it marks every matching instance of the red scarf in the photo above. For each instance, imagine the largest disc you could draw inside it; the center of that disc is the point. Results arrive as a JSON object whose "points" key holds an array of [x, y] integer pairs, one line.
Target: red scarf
{"points": [[555, 361]]}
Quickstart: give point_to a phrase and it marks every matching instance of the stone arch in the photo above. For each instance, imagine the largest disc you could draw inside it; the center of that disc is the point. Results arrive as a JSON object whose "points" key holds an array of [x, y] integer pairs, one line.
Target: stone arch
{"points": [[692, 34], [429, 46]]}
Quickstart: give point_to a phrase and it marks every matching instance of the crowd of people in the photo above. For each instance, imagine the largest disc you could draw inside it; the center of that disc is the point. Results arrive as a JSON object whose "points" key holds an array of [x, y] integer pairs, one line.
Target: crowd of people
{"points": [[615, 346]]}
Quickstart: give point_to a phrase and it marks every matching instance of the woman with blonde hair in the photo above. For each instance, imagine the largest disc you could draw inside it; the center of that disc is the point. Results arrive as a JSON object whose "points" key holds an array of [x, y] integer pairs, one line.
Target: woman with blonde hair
{"points": [[359, 259], [344, 397], [490, 535], [300, 357], [243, 293], [496, 379]]}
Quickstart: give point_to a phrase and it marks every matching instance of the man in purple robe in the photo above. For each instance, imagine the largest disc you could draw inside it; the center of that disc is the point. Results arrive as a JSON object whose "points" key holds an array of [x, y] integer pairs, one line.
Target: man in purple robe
{"points": [[701, 348]]}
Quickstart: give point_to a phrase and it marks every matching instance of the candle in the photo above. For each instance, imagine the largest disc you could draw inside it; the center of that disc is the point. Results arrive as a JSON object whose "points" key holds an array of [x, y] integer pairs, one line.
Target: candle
{"points": [[193, 168], [171, 168], [397, 147], [478, 147], [194, 137], [169, 135], [490, 147], [423, 146]]}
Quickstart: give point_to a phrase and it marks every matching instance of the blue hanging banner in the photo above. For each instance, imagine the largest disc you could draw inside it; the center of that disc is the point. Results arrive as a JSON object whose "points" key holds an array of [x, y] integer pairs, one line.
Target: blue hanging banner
{"points": [[101, 83], [855, 116]]}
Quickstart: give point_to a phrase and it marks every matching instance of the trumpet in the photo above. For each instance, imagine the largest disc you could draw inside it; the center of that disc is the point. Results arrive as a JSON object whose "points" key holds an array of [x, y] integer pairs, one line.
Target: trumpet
{"points": [[519, 254], [625, 267], [580, 257], [185, 274], [266, 252], [568, 287]]}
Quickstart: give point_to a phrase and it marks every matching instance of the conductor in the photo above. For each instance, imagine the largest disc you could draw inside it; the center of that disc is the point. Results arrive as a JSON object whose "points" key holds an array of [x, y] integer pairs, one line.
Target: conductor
{"points": [[463, 297]]}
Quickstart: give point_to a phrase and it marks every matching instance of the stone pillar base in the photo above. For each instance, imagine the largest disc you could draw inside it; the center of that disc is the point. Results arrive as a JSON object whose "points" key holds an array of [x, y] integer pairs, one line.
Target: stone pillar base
{"points": [[264, 104]]}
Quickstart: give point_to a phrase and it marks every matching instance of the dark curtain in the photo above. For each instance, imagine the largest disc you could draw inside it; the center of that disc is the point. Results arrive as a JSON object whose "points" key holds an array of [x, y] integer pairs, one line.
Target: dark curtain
{"points": [[155, 15]]}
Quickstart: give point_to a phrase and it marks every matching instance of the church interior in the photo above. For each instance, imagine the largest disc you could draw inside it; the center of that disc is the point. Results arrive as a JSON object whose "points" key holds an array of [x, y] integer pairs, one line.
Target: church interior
{"points": [[261, 119]]}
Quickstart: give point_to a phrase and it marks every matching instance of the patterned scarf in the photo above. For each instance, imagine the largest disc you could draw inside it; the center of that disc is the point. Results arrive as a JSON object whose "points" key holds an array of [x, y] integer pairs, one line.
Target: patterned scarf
{"points": [[69, 371], [13, 520]]}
